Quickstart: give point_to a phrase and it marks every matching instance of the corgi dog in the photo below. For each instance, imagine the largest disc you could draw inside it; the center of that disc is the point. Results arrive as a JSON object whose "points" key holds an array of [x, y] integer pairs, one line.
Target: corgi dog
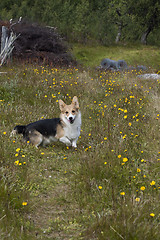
{"points": [[66, 128]]}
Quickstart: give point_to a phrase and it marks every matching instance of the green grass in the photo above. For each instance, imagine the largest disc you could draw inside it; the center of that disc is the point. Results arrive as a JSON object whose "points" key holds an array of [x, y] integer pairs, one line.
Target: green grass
{"points": [[133, 55], [107, 188]]}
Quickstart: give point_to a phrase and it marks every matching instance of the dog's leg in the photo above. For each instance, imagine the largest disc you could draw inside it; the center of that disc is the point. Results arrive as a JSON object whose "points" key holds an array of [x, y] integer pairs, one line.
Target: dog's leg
{"points": [[74, 143], [65, 140], [36, 138]]}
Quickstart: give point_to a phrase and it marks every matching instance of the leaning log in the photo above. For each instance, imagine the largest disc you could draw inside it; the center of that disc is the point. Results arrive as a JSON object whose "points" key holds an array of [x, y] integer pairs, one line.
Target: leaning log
{"points": [[7, 45]]}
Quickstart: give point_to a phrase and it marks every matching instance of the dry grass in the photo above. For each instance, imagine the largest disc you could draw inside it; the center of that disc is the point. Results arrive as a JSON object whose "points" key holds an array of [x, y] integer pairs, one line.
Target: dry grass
{"points": [[107, 188]]}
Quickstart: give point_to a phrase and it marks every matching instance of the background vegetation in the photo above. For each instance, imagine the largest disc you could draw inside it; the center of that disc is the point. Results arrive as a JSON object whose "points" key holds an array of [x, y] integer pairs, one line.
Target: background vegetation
{"points": [[107, 188], [104, 21]]}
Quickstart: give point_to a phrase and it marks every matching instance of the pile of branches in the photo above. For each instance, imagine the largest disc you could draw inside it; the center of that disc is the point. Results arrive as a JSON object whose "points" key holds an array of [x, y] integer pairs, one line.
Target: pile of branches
{"points": [[40, 44]]}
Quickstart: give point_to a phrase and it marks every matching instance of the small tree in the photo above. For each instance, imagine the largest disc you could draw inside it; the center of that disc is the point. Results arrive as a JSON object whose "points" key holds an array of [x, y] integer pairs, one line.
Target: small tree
{"points": [[119, 16], [147, 14]]}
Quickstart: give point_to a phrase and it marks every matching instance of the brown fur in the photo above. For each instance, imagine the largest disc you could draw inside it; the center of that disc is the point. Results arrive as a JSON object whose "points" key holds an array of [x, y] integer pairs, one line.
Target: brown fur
{"points": [[60, 132], [74, 106], [35, 138]]}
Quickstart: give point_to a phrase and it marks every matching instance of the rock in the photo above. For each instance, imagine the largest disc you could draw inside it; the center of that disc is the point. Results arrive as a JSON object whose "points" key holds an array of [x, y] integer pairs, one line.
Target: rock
{"points": [[149, 76]]}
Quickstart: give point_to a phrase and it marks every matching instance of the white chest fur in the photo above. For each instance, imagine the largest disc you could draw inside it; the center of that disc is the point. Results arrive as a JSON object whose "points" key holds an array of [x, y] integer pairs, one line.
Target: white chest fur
{"points": [[72, 131]]}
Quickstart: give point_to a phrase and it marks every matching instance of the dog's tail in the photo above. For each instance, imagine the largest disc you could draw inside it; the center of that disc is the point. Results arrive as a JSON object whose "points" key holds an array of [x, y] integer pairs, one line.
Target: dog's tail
{"points": [[19, 129]]}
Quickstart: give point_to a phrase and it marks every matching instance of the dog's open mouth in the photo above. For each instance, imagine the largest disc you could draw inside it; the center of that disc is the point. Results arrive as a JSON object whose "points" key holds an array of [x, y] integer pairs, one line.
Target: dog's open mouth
{"points": [[71, 120]]}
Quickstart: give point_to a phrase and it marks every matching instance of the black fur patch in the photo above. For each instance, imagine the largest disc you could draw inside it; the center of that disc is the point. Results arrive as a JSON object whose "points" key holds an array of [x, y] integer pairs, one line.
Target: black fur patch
{"points": [[20, 129], [47, 127]]}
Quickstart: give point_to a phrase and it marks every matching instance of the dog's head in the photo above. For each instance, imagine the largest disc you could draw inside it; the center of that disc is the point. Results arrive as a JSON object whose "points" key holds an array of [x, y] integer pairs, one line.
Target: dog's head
{"points": [[69, 112]]}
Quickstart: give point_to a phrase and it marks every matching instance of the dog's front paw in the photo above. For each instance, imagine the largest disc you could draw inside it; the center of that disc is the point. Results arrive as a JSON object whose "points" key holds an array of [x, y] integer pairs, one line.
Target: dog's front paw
{"points": [[68, 144], [74, 144], [66, 141]]}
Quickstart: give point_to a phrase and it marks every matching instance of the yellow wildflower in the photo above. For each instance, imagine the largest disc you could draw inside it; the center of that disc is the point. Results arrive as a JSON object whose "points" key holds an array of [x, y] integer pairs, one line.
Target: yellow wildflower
{"points": [[16, 162], [24, 203], [125, 159], [122, 193], [152, 183], [137, 199], [152, 214]]}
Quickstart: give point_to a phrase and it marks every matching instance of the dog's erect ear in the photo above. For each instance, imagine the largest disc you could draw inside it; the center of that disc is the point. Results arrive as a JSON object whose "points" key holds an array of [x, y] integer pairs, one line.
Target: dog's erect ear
{"points": [[75, 102], [61, 105]]}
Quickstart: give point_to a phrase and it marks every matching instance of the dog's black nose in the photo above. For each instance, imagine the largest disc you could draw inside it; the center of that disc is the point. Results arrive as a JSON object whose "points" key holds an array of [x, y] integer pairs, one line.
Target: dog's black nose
{"points": [[71, 120]]}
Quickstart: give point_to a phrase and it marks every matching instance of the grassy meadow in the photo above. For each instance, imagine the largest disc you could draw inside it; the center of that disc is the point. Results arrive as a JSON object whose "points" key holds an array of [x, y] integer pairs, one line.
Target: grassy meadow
{"points": [[91, 56], [106, 189]]}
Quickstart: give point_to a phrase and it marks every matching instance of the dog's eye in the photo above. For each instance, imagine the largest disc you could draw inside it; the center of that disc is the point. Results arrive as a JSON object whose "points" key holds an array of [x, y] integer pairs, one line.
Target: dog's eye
{"points": [[73, 111], [66, 112]]}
